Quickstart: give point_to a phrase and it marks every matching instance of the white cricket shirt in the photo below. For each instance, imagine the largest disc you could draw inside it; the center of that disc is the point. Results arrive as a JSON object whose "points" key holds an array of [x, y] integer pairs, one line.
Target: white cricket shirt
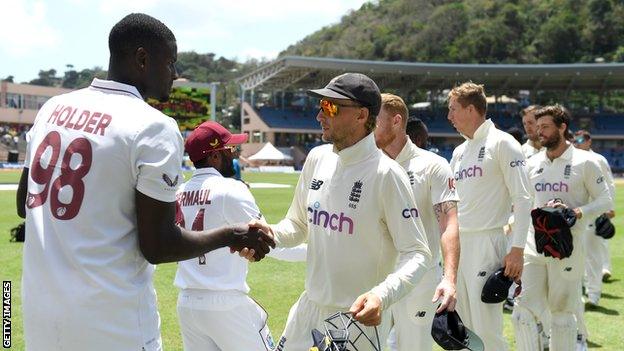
{"points": [[432, 181], [84, 277], [490, 177], [209, 201], [575, 178], [529, 149], [357, 211]]}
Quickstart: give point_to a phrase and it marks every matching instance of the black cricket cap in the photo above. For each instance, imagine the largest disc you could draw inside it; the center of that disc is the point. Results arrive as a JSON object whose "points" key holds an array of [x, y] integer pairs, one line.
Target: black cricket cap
{"points": [[353, 86], [449, 332], [496, 287]]}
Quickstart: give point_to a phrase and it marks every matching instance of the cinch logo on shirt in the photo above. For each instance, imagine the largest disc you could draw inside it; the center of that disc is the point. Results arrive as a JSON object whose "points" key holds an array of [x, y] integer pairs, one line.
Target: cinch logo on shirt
{"points": [[474, 171], [558, 187], [517, 163], [325, 219], [410, 212]]}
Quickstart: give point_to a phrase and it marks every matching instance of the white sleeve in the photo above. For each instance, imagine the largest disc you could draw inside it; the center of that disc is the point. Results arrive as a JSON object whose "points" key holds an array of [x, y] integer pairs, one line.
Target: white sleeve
{"points": [[598, 190], [408, 236], [298, 253], [157, 160], [239, 206], [513, 166], [293, 229], [606, 172], [442, 189]]}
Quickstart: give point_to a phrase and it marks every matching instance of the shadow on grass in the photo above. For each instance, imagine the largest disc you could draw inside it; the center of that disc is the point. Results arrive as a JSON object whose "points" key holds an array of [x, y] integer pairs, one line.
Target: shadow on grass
{"points": [[610, 297], [610, 281], [601, 309], [593, 345]]}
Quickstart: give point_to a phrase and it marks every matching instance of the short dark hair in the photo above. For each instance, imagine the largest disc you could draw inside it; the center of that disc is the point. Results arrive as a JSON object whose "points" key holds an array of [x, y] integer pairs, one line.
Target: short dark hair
{"points": [[529, 109], [138, 30], [417, 131], [559, 114]]}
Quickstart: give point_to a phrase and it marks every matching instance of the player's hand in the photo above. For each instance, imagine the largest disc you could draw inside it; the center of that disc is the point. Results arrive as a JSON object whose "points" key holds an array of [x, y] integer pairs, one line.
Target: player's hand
{"points": [[252, 238], [513, 263], [367, 309], [261, 224], [246, 253], [446, 291]]}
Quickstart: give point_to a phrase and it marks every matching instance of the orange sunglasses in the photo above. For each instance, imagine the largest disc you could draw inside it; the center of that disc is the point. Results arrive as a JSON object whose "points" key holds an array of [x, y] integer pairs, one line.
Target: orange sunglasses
{"points": [[331, 108]]}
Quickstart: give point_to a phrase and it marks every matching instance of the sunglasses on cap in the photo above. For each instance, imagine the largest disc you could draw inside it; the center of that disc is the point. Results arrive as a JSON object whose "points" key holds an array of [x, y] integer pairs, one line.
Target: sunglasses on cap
{"points": [[331, 109], [230, 148]]}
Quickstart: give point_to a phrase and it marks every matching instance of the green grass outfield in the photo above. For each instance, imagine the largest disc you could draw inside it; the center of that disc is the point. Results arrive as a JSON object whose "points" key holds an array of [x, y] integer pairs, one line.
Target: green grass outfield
{"points": [[277, 285]]}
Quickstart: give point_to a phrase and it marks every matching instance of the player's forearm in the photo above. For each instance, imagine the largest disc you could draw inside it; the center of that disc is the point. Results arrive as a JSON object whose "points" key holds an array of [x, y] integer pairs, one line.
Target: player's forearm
{"points": [[522, 219], [289, 233], [449, 243], [446, 214], [411, 268], [597, 207], [22, 190], [178, 244]]}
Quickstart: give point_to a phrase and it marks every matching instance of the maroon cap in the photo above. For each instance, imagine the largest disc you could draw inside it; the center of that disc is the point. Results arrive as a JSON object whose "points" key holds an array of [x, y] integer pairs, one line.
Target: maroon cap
{"points": [[210, 136]]}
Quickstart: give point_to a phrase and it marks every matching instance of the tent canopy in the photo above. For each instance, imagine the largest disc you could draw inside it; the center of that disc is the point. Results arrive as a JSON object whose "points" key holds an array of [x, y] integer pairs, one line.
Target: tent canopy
{"points": [[269, 152]]}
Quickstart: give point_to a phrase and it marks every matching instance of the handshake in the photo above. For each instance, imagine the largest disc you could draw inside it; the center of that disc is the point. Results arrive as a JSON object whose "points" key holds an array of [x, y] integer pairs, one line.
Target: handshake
{"points": [[252, 241]]}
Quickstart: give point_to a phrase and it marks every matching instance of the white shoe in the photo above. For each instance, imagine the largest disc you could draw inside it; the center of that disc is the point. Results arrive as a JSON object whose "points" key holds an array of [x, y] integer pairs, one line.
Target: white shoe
{"points": [[581, 343], [606, 275]]}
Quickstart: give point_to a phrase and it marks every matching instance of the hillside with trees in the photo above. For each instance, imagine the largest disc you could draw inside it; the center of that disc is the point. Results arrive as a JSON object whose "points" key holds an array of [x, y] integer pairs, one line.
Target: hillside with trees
{"points": [[474, 31]]}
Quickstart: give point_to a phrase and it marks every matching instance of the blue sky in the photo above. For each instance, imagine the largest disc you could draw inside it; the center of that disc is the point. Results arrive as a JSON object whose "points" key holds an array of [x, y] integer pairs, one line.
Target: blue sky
{"points": [[38, 35]]}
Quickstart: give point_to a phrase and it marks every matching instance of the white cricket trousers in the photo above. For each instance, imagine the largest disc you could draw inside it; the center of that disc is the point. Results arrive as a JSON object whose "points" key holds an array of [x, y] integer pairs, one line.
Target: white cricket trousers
{"points": [[306, 315], [412, 316], [553, 284], [482, 253], [222, 321], [596, 252]]}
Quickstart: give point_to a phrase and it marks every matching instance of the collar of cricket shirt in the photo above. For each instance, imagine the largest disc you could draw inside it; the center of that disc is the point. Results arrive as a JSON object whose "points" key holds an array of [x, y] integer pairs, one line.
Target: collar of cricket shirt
{"points": [[359, 151], [409, 151], [482, 131]]}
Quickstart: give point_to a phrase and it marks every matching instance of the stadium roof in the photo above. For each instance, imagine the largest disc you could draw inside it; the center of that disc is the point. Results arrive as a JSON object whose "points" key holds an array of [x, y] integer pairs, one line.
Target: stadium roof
{"points": [[293, 72]]}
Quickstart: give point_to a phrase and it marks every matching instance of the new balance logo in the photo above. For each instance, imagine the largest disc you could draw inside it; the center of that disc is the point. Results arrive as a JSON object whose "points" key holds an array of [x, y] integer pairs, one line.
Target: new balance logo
{"points": [[481, 153], [540, 171], [316, 184], [420, 314], [481, 274], [568, 269]]}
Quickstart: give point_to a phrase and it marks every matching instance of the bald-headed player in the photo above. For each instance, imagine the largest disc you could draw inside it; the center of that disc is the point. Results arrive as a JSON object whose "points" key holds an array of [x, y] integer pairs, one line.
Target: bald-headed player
{"points": [[490, 177], [573, 177], [98, 193], [433, 184]]}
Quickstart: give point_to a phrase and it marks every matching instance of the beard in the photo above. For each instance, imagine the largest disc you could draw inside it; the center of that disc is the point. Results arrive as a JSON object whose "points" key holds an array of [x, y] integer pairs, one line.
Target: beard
{"points": [[227, 167], [551, 142]]}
